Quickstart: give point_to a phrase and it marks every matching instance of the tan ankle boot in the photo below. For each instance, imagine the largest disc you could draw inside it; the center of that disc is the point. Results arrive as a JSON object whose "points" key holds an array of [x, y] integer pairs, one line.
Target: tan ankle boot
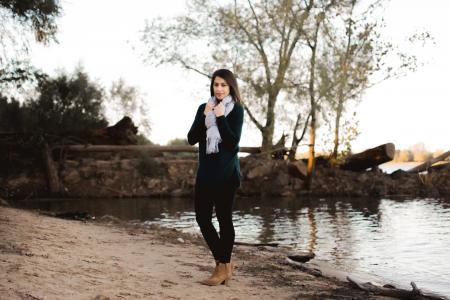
{"points": [[219, 277], [230, 269]]}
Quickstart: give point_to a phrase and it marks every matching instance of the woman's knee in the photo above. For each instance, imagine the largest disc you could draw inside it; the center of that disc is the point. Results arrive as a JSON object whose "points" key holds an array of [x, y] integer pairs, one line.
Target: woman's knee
{"points": [[203, 220], [226, 225]]}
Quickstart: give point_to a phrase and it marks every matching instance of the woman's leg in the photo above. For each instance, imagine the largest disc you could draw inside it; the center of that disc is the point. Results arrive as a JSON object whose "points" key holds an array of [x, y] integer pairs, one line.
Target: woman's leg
{"points": [[203, 214], [224, 207]]}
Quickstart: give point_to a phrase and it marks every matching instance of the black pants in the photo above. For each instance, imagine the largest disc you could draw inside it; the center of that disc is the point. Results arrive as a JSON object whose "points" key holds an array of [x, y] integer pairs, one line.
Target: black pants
{"points": [[222, 198]]}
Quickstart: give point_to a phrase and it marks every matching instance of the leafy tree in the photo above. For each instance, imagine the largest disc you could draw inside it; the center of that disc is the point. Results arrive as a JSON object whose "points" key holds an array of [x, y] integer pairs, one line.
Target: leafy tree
{"points": [[178, 142], [12, 115], [143, 140], [357, 57], [68, 102], [20, 20]]}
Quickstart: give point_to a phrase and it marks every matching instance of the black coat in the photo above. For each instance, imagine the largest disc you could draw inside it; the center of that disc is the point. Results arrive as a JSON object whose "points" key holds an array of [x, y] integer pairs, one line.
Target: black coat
{"points": [[222, 167]]}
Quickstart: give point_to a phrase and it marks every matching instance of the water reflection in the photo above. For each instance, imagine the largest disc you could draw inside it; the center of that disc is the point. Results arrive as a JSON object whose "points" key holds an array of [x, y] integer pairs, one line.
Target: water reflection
{"points": [[402, 240]]}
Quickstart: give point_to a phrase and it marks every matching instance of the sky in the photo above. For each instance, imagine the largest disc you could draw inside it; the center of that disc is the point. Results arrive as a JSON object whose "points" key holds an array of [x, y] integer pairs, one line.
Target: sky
{"points": [[103, 36]]}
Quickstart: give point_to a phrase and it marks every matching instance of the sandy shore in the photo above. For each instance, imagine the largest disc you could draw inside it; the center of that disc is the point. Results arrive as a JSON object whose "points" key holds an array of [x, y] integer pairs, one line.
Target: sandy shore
{"points": [[42, 257]]}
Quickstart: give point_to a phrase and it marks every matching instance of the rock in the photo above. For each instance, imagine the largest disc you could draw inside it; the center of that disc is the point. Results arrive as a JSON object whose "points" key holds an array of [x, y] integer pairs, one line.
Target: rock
{"points": [[105, 165], [109, 219], [128, 164], [179, 193], [69, 164], [259, 171], [363, 178], [87, 172], [71, 176], [302, 256], [74, 215], [153, 183], [3, 202], [298, 169], [398, 174], [18, 181]]}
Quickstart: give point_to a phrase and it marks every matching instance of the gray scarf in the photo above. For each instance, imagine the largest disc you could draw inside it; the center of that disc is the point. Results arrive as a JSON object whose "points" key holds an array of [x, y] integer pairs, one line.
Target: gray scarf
{"points": [[213, 137]]}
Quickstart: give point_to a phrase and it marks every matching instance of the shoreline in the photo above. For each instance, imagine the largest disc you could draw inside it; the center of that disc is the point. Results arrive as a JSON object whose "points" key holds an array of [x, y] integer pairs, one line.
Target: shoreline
{"points": [[50, 258]]}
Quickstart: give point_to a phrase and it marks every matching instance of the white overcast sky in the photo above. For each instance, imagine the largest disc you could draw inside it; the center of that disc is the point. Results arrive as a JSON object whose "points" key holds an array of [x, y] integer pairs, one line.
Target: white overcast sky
{"points": [[100, 34]]}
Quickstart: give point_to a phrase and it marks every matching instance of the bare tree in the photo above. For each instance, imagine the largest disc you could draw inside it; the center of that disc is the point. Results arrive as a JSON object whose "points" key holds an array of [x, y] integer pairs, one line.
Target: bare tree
{"points": [[127, 100], [257, 39]]}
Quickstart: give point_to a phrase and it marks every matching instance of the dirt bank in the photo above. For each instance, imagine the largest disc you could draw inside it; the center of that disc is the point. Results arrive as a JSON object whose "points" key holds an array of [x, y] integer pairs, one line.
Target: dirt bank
{"points": [[42, 257]]}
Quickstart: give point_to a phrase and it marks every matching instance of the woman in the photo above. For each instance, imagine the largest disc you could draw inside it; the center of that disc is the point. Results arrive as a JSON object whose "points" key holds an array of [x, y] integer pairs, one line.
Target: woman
{"points": [[217, 128]]}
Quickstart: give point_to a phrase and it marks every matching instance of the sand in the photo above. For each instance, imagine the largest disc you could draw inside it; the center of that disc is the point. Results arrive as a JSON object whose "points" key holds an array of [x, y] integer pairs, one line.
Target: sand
{"points": [[43, 257]]}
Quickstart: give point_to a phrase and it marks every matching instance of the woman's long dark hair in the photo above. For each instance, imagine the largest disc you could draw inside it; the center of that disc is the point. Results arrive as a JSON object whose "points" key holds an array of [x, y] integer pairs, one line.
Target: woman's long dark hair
{"points": [[229, 77]]}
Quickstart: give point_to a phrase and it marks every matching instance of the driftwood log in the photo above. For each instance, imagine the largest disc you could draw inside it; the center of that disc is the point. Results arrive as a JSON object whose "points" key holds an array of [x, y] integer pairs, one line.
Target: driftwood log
{"points": [[429, 163], [439, 167], [369, 158], [392, 291], [303, 267]]}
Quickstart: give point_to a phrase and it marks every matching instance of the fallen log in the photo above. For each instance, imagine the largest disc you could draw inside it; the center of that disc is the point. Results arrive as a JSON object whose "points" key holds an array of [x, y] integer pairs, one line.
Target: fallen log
{"points": [[303, 267], [369, 158], [122, 133], [392, 291], [143, 148], [439, 167], [429, 163]]}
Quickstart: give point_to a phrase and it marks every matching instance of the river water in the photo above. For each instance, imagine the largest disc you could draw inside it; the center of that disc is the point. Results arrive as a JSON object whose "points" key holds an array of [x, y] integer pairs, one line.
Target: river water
{"points": [[398, 241]]}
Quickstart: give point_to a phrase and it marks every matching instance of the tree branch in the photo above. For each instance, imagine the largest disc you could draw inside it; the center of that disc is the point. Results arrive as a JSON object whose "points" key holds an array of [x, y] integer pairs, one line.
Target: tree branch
{"points": [[261, 46], [189, 67], [257, 124]]}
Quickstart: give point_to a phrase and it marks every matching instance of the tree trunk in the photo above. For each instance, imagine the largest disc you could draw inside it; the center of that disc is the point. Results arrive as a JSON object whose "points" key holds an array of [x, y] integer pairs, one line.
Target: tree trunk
{"points": [[312, 97], [342, 85], [267, 133], [266, 146], [311, 152], [369, 158], [336, 130], [52, 172], [296, 141]]}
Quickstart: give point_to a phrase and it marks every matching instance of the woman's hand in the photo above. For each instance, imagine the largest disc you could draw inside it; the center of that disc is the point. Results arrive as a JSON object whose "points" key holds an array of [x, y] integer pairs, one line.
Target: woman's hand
{"points": [[219, 109], [208, 107]]}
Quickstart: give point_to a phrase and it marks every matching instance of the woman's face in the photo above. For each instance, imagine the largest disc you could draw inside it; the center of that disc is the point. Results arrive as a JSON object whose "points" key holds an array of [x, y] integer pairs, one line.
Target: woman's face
{"points": [[221, 88]]}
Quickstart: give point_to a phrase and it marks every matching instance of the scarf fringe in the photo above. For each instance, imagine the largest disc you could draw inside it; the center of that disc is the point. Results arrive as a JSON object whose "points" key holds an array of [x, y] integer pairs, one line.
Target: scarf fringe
{"points": [[212, 144]]}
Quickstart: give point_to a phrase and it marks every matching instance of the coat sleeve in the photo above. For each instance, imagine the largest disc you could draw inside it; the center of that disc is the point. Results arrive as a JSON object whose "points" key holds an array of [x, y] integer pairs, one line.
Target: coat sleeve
{"points": [[230, 130], [198, 128]]}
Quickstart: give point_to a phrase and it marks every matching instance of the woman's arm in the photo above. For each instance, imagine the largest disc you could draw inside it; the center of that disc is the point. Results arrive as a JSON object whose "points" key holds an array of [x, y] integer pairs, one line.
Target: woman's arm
{"points": [[230, 131], [198, 128]]}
